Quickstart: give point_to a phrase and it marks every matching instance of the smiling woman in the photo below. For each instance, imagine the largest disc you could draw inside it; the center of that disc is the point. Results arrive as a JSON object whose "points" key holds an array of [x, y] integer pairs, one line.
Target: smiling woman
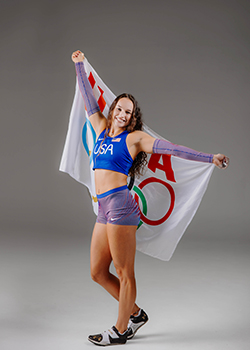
{"points": [[127, 104], [120, 150], [122, 113]]}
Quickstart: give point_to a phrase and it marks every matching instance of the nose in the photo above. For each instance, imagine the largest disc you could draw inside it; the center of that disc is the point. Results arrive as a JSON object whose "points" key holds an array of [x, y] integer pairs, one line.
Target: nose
{"points": [[122, 114]]}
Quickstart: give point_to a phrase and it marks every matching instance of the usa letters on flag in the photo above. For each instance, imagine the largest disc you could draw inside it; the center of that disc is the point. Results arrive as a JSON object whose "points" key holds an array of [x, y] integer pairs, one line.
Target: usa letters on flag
{"points": [[169, 192]]}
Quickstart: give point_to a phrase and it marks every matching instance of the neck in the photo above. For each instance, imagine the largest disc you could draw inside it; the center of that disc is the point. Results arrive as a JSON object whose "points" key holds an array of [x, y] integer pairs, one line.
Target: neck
{"points": [[115, 131]]}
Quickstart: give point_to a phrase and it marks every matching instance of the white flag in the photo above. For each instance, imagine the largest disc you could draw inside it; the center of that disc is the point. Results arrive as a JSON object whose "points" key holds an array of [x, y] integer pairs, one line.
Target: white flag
{"points": [[169, 192]]}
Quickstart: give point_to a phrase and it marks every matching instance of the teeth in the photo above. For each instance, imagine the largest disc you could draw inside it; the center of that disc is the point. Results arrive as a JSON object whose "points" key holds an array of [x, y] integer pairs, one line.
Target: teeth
{"points": [[120, 119]]}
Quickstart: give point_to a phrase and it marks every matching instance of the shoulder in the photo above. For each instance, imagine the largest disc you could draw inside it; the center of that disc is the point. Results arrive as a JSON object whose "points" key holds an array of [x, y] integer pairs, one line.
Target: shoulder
{"points": [[136, 136], [139, 136], [141, 141]]}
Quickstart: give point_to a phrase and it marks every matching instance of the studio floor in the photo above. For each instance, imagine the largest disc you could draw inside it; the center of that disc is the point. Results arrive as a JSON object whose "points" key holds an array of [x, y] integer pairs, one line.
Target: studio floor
{"points": [[197, 300]]}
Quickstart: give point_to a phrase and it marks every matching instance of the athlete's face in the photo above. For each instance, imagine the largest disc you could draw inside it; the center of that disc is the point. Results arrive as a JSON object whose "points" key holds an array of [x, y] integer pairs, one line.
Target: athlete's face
{"points": [[123, 112]]}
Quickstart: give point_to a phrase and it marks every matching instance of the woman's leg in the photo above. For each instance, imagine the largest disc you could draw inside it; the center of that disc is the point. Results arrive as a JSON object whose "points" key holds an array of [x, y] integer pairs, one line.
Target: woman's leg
{"points": [[122, 245], [100, 260]]}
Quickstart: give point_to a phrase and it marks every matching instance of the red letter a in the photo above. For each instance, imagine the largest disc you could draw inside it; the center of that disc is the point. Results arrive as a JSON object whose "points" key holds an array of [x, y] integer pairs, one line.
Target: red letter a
{"points": [[154, 164]]}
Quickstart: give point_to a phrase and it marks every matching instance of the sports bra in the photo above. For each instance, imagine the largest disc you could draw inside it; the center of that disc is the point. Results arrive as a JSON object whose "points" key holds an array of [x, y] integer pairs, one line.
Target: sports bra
{"points": [[112, 153]]}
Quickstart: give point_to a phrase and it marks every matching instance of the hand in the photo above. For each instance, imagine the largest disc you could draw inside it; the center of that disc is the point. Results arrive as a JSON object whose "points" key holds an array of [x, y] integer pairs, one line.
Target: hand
{"points": [[221, 161], [77, 56]]}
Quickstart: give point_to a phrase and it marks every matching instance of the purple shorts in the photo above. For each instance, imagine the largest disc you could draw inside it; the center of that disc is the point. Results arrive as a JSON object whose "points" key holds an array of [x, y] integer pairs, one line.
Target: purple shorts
{"points": [[118, 207]]}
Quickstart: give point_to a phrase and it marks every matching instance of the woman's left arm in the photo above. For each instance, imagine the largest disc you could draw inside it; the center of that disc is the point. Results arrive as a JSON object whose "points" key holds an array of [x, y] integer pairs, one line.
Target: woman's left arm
{"points": [[150, 144]]}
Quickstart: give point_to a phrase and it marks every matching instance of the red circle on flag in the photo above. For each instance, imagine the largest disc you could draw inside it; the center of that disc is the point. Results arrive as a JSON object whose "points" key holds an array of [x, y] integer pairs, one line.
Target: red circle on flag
{"points": [[172, 196]]}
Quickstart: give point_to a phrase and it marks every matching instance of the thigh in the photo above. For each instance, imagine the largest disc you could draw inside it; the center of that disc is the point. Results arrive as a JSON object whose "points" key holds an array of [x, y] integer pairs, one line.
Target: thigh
{"points": [[100, 256], [122, 245]]}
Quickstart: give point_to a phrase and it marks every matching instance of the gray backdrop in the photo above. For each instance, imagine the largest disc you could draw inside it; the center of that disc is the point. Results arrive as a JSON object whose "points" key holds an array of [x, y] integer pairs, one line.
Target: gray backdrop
{"points": [[186, 62]]}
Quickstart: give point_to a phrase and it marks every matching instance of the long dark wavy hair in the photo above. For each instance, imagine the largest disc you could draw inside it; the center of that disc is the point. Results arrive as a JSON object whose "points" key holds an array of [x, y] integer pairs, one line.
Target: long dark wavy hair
{"points": [[140, 160]]}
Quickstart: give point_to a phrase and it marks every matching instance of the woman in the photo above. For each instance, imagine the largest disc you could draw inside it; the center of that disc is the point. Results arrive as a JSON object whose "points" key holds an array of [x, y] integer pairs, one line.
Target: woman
{"points": [[120, 150]]}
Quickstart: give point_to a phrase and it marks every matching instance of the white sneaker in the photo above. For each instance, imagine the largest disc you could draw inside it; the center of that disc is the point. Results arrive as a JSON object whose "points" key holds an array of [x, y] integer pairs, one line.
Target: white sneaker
{"points": [[109, 337]]}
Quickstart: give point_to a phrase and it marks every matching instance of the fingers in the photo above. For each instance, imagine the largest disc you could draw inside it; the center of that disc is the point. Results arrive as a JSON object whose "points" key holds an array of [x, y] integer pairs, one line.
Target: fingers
{"points": [[77, 56], [225, 162], [78, 53], [221, 161]]}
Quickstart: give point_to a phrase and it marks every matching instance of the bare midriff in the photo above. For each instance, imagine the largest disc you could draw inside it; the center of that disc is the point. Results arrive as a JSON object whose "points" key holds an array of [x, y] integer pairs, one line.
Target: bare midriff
{"points": [[106, 180]]}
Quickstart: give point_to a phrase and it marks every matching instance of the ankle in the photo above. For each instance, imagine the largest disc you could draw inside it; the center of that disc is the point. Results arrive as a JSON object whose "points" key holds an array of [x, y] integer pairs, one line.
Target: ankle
{"points": [[136, 311], [120, 331]]}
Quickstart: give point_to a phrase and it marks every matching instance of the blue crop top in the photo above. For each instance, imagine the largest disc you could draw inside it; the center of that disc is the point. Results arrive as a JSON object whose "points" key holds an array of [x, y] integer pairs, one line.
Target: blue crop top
{"points": [[112, 153]]}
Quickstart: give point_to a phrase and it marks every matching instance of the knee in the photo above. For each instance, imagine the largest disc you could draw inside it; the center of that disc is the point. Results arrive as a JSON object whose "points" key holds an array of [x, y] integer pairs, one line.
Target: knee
{"points": [[99, 274], [125, 274], [95, 276]]}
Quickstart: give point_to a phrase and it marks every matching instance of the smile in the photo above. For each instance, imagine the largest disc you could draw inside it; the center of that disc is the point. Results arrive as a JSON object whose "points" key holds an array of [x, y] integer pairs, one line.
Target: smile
{"points": [[123, 120]]}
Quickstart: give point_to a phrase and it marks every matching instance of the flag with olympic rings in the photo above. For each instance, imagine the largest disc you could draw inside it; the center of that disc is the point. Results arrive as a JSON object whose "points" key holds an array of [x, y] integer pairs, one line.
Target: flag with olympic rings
{"points": [[169, 192]]}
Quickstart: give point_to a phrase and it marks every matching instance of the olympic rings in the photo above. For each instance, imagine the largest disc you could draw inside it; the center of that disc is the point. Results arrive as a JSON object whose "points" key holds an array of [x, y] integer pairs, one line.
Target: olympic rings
{"points": [[144, 204]]}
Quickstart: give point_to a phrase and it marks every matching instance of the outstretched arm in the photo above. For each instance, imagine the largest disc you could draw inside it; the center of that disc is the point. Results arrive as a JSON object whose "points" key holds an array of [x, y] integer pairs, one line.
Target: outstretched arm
{"points": [[150, 144], [95, 116], [166, 147]]}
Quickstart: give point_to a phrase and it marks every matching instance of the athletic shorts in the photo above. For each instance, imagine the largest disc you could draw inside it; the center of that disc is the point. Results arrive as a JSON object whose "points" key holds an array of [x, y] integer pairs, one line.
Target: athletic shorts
{"points": [[118, 207]]}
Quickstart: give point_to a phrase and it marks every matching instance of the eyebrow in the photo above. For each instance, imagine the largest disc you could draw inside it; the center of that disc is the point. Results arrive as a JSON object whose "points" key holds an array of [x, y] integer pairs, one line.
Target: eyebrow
{"points": [[129, 110]]}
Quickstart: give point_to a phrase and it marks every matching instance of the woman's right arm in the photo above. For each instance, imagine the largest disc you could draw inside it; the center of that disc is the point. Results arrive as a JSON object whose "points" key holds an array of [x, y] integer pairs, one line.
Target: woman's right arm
{"points": [[96, 118]]}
